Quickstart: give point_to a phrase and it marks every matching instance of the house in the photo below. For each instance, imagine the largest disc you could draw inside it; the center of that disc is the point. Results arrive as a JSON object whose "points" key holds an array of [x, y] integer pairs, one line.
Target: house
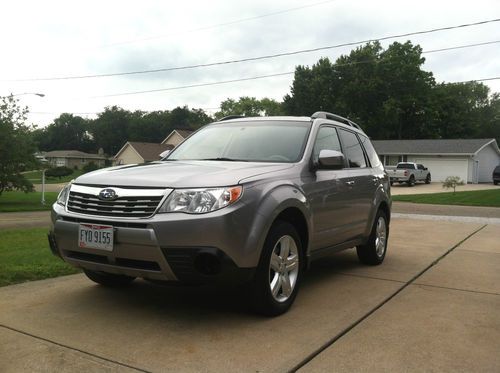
{"points": [[140, 152], [473, 160], [176, 137], [74, 159]]}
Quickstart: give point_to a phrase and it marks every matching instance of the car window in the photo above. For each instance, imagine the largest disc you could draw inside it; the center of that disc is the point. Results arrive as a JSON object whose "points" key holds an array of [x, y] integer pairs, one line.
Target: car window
{"points": [[370, 151], [352, 149], [420, 167], [328, 139], [406, 165], [263, 141]]}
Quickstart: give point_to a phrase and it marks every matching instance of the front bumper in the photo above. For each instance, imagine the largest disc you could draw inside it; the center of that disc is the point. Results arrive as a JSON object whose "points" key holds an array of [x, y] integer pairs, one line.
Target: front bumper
{"points": [[214, 247]]}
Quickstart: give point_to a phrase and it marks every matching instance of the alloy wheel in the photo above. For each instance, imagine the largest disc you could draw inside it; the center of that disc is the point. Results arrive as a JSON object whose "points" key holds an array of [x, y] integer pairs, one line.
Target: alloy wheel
{"points": [[283, 268]]}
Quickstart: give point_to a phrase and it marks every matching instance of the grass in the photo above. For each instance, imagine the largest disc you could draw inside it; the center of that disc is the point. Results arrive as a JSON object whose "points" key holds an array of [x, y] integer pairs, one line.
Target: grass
{"points": [[490, 197], [25, 256], [36, 177], [20, 201]]}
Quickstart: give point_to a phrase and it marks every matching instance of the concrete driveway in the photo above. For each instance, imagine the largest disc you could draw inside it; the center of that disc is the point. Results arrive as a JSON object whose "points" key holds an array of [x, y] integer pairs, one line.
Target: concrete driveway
{"points": [[432, 306], [421, 188]]}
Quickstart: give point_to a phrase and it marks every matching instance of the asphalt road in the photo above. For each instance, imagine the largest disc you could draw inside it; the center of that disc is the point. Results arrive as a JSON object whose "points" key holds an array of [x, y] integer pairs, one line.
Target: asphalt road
{"points": [[431, 306]]}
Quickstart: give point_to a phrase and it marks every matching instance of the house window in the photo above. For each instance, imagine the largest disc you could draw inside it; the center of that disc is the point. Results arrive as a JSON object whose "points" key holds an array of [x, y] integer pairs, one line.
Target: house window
{"points": [[391, 160]]}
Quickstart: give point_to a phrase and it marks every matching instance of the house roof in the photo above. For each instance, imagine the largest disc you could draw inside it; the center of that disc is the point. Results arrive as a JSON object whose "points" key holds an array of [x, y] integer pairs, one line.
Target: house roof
{"points": [[72, 154], [147, 150], [183, 133], [432, 146]]}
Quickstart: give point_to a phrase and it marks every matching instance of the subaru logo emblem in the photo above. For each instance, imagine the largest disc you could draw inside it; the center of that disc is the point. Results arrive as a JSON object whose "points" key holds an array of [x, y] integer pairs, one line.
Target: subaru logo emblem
{"points": [[108, 195]]}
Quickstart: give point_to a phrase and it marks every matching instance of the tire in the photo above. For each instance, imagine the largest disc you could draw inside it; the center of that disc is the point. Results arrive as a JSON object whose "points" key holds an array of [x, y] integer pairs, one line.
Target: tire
{"points": [[428, 179], [374, 250], [109, 279], [411, 181], [275, 286], [495, 182]]}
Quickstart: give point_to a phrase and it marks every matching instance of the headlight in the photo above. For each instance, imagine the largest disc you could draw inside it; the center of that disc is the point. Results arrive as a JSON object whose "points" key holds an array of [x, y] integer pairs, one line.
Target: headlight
{"points": [[63, 195], [199, 201]]}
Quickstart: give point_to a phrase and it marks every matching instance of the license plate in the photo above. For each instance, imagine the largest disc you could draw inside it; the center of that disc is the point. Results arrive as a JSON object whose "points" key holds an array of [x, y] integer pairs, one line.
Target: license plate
{"points": [[95, 236]]}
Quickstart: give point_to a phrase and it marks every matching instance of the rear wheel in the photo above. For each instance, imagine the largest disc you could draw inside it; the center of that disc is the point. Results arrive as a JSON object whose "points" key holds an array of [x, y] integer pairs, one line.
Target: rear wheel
{"points": [[278, 275], [411, 181], [428, 179], [108, 279], [373, 251]]}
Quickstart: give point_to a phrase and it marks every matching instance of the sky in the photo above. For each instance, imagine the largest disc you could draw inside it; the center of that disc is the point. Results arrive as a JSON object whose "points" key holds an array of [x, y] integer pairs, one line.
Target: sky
{"points": [[57, 39]]}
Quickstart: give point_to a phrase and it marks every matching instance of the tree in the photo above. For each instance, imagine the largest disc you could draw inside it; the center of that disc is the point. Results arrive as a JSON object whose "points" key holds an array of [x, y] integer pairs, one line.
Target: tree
{"points": [[16, 146], [249, 107], [67, 132], [452, 182]]}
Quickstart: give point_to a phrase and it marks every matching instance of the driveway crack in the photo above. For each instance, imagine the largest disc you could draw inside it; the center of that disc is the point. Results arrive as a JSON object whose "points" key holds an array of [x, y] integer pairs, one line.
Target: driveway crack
{"points": [[334, 339]]}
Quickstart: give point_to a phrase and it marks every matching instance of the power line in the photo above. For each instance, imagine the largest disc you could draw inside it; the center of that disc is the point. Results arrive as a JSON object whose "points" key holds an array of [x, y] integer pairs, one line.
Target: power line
{"points": [[291, 53], [219, 25], [195, 85], [216, 108], [233, 81]]}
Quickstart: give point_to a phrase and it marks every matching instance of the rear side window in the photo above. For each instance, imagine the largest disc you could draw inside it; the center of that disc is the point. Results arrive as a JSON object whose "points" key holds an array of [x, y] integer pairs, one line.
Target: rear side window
{"points": [[406, 165], [352, 149], [327, 139], [370, 151]]}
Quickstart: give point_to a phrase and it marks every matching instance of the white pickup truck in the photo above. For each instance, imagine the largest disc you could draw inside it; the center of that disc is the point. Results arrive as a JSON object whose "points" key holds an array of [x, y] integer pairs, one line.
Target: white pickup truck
{"points": [[409, 172]]}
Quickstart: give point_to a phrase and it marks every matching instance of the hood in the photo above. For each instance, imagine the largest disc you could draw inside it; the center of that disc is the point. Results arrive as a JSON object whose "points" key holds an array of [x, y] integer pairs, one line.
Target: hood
{"points": [[179, 174]]}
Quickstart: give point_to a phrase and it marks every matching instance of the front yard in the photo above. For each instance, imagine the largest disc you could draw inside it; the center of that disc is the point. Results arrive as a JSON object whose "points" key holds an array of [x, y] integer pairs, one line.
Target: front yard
{"points": [[490, 197], [20, 201], [36, 177], [25, 256]]}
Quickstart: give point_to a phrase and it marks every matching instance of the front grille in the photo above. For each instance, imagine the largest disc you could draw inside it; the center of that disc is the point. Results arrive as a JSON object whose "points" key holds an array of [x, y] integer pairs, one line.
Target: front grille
{"points": [[137, 207]]}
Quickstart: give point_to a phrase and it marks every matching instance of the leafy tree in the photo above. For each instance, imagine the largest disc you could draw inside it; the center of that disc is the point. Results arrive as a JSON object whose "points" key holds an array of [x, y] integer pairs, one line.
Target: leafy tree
{"points": [[110, 129], [67, 132], [16, 146], [385, 90], [452, 182], [249, 107]]}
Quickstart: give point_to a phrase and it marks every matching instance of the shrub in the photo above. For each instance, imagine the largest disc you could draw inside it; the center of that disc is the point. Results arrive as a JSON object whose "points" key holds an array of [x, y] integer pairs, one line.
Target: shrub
{"points": [[58, 172], [90, 167]]}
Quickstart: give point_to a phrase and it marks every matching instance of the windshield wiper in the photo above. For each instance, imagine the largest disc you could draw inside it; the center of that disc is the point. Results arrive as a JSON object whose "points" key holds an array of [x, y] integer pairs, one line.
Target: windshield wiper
{"points": [[224, 159]]}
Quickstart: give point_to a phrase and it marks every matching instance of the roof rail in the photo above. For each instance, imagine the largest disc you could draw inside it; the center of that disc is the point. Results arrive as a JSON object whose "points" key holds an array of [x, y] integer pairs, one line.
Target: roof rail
{"points": [[231, 117], [338, 118]]}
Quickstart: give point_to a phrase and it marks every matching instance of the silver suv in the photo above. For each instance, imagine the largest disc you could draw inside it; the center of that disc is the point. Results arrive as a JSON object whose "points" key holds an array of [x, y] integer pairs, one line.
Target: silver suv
{"points": [[250, 200]]}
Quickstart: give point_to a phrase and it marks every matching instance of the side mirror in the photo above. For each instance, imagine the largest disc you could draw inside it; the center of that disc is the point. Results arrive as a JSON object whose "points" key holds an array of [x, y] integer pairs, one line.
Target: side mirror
{"points": [[331, 160], [425, 169]]}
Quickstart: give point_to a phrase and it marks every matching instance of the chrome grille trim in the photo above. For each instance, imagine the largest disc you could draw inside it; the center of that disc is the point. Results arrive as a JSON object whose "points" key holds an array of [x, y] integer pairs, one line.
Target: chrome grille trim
{"points": [[131, 203]]}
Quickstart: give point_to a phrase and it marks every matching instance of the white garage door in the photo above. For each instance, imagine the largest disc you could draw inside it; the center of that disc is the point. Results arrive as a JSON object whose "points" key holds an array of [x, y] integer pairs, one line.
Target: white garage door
{"points": [[442, 168]]}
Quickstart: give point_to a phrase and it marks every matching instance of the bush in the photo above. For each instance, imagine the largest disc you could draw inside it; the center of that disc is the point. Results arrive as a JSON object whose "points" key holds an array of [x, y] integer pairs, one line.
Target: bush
{"points": [[58, 172], [90, 167]]}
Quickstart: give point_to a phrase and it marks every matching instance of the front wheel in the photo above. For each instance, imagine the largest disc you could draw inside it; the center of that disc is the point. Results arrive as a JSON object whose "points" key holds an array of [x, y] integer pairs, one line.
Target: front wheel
{"points": [[373, 251], [108, 279], [278, 275], [428, 179]]}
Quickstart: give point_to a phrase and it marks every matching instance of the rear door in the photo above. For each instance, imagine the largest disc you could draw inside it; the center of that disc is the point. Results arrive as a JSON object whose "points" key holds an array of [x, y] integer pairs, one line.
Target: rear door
{"points": [[361, 184]]}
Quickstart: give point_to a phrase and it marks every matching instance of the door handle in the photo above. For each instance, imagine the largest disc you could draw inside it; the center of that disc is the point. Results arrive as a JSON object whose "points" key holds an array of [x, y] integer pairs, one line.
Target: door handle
{"points": [[350, 182]]}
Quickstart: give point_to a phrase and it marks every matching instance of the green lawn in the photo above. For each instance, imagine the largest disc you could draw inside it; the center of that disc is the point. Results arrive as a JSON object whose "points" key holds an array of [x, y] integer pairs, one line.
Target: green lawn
{"points": [[36, 177], [490, 197], [20, 201], [25, 256]]}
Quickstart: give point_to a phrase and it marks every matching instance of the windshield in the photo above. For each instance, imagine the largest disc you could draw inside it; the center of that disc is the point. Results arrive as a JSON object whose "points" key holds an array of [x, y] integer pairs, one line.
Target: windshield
{"points": [[272, 141]]}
